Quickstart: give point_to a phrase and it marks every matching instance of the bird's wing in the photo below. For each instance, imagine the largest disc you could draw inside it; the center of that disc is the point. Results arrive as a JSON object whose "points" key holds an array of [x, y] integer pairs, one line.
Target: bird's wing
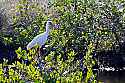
{"points": [[38, 40], [42, 39], [31, 44]]}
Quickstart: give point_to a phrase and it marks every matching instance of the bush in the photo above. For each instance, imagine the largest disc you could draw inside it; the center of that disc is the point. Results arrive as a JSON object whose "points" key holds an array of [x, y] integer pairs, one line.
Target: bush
{"points": [[86, 28]]}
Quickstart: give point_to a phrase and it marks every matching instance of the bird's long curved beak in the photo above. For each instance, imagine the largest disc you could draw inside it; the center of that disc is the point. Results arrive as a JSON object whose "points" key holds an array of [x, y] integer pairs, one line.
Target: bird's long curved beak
{"points": [[53, 25], [56, 26]]}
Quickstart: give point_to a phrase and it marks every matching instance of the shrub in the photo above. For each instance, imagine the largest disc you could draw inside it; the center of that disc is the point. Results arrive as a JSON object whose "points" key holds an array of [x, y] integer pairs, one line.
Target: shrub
{"points": [[86, 28]]}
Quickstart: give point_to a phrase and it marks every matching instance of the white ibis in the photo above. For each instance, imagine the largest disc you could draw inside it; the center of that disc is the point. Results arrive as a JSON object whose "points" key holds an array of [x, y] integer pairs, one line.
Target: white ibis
{"points": [[41, 38]]}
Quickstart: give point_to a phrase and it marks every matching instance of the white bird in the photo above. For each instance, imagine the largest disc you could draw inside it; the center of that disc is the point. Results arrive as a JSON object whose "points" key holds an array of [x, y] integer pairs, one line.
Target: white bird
{"points": [[41, 38]]}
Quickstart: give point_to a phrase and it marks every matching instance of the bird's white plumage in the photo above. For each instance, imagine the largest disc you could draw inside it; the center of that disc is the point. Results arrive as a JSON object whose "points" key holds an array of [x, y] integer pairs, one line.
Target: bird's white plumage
{"points": [[40, 39]]}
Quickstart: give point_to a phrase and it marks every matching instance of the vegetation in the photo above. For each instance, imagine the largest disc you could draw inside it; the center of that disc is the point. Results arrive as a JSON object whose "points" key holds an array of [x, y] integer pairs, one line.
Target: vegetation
{"points": [[86, 27]]}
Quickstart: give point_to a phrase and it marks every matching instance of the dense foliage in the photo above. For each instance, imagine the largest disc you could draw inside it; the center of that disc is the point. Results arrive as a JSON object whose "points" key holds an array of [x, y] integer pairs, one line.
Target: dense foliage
{"points": [[86, 27]]}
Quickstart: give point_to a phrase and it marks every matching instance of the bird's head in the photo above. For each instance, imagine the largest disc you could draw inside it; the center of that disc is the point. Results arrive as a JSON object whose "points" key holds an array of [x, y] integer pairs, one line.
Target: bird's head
{"points": [[52, 25], [49, 23]]}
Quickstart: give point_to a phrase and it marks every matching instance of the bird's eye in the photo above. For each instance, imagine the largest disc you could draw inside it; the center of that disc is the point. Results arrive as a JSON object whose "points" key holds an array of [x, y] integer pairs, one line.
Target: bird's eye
{"points": [[50, 23]]}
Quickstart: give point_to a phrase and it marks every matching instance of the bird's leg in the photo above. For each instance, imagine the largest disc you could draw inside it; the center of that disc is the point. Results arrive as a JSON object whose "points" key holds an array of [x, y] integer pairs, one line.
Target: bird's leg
{"points": [[39, 52], [38, 55], [39, 58]]}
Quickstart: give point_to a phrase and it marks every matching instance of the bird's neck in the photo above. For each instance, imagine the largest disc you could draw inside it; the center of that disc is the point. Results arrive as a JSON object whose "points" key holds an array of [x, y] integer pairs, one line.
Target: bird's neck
{"points": [[47, 29]]}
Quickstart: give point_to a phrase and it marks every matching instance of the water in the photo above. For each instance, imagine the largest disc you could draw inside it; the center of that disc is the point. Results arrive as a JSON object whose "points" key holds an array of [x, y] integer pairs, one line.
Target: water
{"points": [[112, 76]]}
